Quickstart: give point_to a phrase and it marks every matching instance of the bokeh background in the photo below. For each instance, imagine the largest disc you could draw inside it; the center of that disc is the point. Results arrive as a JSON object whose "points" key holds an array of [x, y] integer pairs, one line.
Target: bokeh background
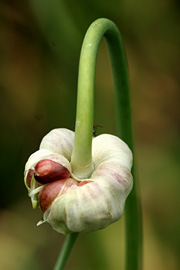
{"points": [[39, 51]]}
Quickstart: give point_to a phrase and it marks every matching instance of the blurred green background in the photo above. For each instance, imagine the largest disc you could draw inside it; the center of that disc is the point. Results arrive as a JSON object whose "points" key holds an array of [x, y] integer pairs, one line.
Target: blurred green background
{"points": [[39, 50]]}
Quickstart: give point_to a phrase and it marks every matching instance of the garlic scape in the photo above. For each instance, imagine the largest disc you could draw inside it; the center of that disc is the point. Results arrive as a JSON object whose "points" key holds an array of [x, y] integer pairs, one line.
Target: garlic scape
{"points": [[71, 204], [79, 182]]}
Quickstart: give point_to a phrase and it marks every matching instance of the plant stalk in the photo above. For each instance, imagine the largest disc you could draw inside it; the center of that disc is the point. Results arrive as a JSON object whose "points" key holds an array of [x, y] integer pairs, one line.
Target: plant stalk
{"points": [[65, 251], [81, 162]]}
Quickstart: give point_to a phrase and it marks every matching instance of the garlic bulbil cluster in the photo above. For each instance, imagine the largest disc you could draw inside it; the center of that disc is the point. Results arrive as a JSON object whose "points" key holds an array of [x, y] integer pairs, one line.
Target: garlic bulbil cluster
{"points": [[71, 204]]}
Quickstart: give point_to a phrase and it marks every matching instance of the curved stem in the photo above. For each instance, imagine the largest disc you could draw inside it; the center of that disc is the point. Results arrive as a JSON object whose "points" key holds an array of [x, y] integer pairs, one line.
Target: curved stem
{"points": [[81, 161], [81, 157], [65, 251]]}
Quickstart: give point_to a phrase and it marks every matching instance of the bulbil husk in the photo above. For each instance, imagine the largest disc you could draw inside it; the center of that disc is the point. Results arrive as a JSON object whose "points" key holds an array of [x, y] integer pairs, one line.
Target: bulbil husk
{"points": [[70, 204]]}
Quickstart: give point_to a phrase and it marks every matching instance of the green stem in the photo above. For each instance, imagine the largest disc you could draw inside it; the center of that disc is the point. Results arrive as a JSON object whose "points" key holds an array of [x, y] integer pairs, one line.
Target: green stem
{"points": [[82, 157], [65, 251]]}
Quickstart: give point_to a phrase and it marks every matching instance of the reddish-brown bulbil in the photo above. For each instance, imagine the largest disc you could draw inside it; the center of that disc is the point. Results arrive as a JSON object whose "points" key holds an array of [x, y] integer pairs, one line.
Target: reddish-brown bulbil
{"points": [[47, 171], [51, 191]]}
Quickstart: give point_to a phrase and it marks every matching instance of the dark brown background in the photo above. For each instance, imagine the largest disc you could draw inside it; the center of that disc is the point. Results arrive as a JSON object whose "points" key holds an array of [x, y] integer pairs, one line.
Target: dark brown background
{"points": [[39, 50]]}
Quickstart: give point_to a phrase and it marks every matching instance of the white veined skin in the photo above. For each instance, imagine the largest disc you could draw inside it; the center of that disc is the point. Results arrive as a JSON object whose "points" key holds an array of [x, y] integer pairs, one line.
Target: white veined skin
{"points": [[59, 140], [99, 203]]}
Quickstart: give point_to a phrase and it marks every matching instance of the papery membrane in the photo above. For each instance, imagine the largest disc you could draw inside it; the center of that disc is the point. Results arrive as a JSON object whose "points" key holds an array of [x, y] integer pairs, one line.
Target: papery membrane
{"points": [[60, 141], [98, 202]]}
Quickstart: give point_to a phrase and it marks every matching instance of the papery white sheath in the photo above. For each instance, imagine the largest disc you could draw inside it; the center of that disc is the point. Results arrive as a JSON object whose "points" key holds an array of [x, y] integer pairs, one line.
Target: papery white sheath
{"points": [[70, 204]]}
